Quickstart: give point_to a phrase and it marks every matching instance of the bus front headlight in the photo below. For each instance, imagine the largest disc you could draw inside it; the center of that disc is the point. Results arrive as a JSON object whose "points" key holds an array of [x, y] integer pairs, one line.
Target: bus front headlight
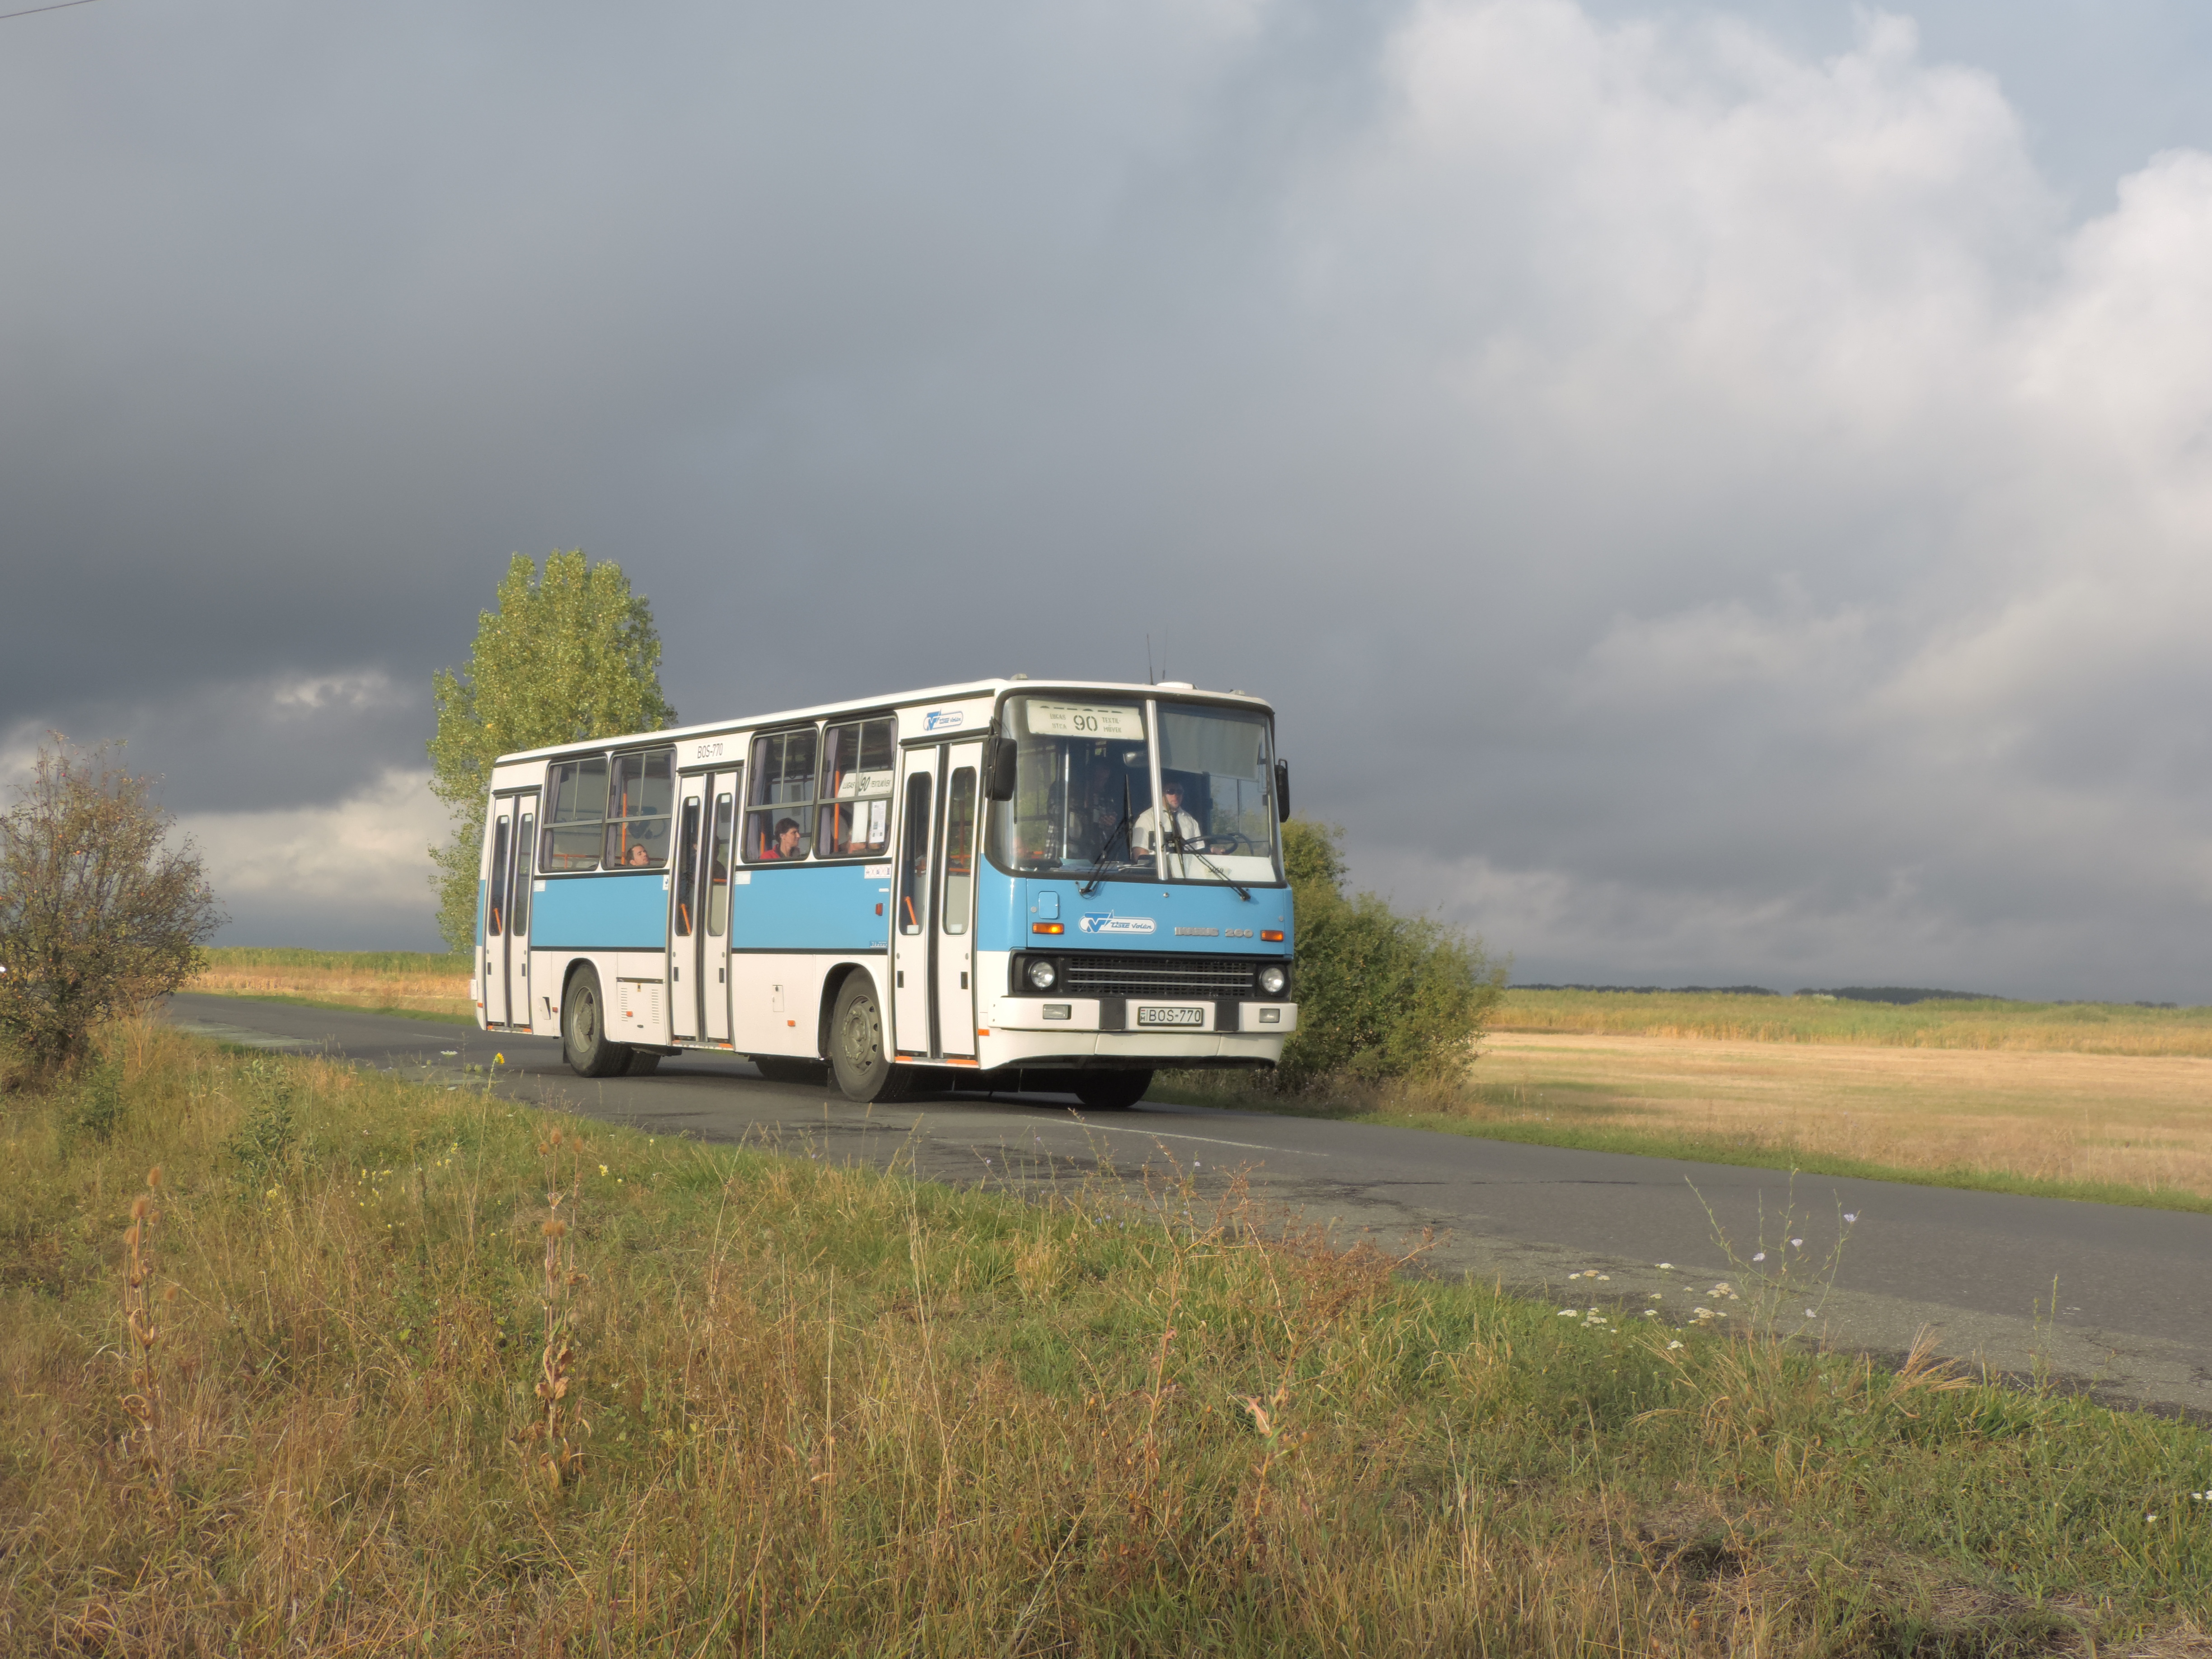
{"points": [[1042, 974], [1271, 979]]}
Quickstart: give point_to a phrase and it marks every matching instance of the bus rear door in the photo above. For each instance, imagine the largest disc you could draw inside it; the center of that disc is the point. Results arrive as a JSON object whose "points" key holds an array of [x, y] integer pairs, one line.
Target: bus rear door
{"points": [[491, 979], [687, 926], [517, 911], [506, 978]]}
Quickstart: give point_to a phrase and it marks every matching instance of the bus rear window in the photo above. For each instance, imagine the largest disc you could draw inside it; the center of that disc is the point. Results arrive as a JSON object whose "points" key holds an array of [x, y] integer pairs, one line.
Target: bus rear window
{"points": [[640, 802], [575, 806]]}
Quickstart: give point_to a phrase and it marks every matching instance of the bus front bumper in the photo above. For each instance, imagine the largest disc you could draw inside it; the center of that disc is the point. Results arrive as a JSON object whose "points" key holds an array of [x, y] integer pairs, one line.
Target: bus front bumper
{"points": [[1141, 1017]]}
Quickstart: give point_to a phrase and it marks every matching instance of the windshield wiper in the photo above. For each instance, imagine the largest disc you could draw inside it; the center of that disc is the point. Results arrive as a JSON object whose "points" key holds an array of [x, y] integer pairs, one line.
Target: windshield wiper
{"points": [[1176, 844], [1121, 826]]}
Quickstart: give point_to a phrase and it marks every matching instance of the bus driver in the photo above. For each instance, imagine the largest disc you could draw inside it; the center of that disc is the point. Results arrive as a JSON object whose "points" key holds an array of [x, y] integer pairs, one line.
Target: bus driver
{"points": [[1182, 828]]}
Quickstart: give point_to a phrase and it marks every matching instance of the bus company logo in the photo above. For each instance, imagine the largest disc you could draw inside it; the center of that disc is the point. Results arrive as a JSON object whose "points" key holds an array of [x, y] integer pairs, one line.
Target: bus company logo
{"points": [[944, 720], [1108, 923]]}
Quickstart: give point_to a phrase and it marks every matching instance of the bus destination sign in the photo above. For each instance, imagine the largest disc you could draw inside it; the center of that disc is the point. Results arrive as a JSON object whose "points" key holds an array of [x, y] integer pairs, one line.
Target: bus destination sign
{"points": [[1085, 720]]}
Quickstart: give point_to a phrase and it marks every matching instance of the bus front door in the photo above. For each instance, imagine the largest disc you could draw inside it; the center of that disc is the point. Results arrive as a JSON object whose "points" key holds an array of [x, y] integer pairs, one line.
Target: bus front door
{"points": [[505, 977], [958, 765], [914, 925], [933, 902]]}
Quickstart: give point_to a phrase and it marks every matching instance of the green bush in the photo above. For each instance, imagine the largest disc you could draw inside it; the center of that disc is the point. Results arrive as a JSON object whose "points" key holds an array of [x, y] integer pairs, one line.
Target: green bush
{"points": [[1381, 996], [92, 1109]]}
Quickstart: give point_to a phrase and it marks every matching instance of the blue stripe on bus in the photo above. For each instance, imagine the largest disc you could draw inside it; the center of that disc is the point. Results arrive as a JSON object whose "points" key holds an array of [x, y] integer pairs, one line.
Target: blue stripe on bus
{"points": [[609, 912], [1002, 923], [821, 907]]}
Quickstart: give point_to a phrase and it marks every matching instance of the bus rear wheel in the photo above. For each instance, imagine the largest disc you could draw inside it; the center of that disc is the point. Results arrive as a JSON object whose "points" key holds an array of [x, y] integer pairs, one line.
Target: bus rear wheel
{"points": [[857, 1051], [1111, 1091], [584, 1041]]}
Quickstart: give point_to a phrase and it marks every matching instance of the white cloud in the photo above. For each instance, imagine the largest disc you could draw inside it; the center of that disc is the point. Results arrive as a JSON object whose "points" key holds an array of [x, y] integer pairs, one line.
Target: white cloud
{"points": [[356, 858], [1866, 500]]}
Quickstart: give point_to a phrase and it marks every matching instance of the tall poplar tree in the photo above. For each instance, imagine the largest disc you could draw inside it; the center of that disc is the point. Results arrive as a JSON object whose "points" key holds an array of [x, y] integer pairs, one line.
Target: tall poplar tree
{"points": [[567, 656]]}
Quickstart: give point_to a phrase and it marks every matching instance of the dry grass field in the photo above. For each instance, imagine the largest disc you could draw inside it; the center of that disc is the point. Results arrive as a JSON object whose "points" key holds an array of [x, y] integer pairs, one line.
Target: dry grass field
{"points": [[2138, 1123], [391, 982], [2087, 1028]]}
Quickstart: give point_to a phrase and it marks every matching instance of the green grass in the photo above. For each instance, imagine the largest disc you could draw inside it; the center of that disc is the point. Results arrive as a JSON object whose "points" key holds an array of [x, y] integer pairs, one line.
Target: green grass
{"points": [[814, 1409], [435, 1016], [361, 962]]}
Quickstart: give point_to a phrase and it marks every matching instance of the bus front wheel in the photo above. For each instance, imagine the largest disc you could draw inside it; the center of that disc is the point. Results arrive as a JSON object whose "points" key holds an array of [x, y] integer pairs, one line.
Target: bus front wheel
{"points": [[584, 1041], [1110, 1091], [857, 1053]]}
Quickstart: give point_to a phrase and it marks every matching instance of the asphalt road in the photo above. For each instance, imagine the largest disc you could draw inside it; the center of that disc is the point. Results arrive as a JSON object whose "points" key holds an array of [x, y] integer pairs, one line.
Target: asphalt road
{"points": [[2133, 1303]]}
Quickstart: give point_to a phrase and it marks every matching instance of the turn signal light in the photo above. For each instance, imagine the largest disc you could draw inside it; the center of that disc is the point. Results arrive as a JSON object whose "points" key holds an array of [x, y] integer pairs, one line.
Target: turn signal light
{"points": [[1060, 927], [1272, 935]]}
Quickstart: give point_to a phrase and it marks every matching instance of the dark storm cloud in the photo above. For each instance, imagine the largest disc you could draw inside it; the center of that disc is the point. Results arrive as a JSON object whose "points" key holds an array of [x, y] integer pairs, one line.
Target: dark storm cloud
{"points": [[1706, 504]]}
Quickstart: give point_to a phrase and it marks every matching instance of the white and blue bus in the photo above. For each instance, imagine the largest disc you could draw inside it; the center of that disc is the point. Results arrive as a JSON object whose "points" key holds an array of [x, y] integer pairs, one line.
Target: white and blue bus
{"points": [[1009, 885]]}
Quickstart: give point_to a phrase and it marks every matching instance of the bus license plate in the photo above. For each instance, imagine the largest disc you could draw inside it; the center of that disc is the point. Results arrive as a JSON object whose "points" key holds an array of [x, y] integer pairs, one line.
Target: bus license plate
{"points": [[1172, 1017]]}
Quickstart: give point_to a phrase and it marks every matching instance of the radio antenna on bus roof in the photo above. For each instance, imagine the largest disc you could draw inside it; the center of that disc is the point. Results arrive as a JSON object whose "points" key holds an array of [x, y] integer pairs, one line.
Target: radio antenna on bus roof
{"points": [[1149, 679]]}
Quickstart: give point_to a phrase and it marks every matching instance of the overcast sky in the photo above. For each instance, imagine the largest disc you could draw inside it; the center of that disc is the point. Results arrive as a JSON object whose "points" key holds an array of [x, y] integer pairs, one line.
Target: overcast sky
{"points": [[1716, 495]]}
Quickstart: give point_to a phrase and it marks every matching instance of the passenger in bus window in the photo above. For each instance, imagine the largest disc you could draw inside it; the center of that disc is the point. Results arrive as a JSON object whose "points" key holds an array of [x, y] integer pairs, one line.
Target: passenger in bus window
{"points": [[639, 857], [787, 840]]}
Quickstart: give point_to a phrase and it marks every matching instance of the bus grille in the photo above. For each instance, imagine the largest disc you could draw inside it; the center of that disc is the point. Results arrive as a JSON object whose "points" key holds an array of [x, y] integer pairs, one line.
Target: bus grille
{"points": [[1134, 975]]}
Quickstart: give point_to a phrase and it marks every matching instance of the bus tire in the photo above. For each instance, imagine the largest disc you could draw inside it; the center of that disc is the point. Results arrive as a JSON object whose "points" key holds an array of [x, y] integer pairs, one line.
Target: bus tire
{"points": [[784, 1068], [584, 1041], [857, 1054], [1111, 1091]]}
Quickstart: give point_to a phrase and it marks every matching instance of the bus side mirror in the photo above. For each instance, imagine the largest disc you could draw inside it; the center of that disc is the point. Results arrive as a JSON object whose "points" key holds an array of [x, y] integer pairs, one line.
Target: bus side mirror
{"points": [[1282, 789], [998, 769]]}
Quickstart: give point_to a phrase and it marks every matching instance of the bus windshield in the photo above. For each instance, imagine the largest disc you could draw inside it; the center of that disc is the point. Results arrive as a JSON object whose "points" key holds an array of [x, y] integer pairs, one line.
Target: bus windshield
{"points": [[1082, 792]]}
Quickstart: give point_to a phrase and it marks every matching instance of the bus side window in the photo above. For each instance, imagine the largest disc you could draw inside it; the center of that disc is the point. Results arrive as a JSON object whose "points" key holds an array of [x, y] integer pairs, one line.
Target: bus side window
{"points": [[959, 849], [525, 840], [642, 807], [783, 797], [858, 765], [717, 870], [495, 896], [913, 872], [575, 805], [687, 867]]}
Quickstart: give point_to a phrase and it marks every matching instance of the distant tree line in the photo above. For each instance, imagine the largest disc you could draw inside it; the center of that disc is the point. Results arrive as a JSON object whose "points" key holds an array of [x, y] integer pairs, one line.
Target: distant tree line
{"points": [[1890, 994]]}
